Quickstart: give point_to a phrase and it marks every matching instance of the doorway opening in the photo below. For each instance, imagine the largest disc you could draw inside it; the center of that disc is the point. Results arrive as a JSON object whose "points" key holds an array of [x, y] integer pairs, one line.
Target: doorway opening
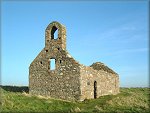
{"points": [[95, 89]]}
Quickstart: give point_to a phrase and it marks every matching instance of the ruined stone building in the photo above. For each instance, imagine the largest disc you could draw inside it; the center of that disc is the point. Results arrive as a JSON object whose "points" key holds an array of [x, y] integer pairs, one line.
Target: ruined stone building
{"points": [[68, 80]]}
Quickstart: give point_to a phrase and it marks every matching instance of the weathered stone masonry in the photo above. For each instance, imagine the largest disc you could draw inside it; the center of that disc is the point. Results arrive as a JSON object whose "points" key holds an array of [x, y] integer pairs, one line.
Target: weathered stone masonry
{"points": [[70, 80]]}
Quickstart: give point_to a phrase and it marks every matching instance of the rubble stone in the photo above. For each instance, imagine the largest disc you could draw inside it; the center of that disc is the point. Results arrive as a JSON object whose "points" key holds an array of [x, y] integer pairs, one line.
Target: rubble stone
{"points": [[70, 80]]}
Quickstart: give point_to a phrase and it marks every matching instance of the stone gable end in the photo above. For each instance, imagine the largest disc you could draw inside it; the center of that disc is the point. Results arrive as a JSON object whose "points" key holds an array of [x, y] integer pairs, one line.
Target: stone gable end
{"points": [[69, 80]]}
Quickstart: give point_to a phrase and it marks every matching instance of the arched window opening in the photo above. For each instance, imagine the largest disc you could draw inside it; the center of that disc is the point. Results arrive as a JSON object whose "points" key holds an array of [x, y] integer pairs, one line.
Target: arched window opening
{"points": [[54, 33], [52, 64]]}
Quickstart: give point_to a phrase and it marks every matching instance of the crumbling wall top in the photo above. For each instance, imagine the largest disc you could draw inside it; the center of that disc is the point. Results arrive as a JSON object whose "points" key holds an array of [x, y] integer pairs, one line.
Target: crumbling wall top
{"points": [[102, 66]]}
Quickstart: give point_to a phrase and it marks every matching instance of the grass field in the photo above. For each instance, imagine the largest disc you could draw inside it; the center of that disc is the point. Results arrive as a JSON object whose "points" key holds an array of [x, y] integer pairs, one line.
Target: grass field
{"points": [[129, 100]]}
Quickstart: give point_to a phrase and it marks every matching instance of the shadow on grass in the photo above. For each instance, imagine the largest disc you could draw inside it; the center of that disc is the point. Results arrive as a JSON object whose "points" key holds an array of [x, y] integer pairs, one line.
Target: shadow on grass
{"points": [[16, 88]]}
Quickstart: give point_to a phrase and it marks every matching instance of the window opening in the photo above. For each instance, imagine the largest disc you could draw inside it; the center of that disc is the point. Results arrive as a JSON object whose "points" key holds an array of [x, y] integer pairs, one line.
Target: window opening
{"points": [[54, 33], [52, 64]]}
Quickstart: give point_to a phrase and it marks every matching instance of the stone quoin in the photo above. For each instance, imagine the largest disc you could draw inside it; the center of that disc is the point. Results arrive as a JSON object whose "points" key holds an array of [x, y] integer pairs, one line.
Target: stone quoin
{"points": [[68, 79]]}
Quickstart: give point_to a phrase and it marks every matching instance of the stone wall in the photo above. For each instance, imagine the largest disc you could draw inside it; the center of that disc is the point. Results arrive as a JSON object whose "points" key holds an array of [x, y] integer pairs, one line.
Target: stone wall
{"points": [[63, 82], [106, 83], [69, 80]]}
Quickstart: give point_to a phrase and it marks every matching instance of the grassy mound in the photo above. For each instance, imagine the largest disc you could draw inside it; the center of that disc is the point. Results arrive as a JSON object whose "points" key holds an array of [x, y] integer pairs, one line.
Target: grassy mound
{"points": [[129, 100]]}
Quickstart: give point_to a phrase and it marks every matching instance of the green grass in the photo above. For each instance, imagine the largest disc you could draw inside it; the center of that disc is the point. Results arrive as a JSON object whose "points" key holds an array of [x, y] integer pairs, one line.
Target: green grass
{"points": [[129, 100]]}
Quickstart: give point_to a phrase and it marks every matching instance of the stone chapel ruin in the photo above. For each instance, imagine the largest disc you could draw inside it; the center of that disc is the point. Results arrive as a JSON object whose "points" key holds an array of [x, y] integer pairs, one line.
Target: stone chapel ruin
{"points": [[68, 80]]}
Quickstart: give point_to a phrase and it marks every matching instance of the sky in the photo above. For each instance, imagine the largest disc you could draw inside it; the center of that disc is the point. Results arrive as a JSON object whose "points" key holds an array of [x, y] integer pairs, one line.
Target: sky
{"points": [[112, 32]]}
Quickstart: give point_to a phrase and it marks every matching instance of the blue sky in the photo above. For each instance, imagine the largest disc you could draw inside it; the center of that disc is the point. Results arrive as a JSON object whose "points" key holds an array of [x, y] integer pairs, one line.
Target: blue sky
{"points": [[112, 32]]}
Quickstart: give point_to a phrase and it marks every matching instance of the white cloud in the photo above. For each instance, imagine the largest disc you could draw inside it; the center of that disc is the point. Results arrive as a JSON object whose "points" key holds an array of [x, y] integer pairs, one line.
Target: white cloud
{"points": [[125, 51], [124, 33], [133, 50]]}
